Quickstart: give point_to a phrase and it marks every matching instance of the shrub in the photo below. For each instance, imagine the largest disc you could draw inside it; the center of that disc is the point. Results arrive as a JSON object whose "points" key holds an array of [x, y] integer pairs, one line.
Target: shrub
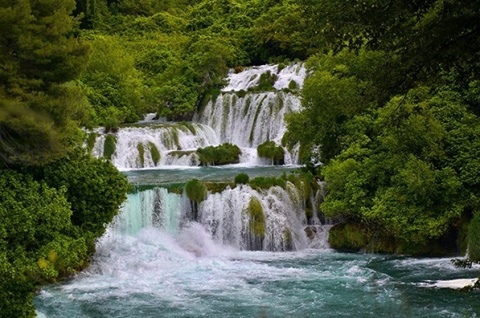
{"points": [[92, 137], [196, 190], [271, 151], [242, 178], [220, 155]]}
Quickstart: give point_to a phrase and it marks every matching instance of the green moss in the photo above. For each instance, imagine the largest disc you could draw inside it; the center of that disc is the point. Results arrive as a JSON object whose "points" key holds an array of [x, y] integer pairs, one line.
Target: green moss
{"points": [[217, 187], [154, 153], [292, 85], [241, 93], [287, 240], [241, 178], [141, 154], [92, 137], [256, 117], [474, 238], [109, 146], [196, 190], [190, 126], [266, 183], [280, 67], [265, 83], [271, 151], [257, 218], [220, 155]]}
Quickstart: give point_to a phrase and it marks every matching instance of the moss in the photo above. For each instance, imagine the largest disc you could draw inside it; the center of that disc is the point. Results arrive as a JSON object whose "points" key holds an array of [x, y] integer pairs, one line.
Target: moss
{"points": [[271, 151], [154, 153], [217, 187], [266, 183], [242, 178], [220, 155], [474, 238], [141, 154], [280, 67], [241, 93], [109, 146], [257, 218], [259, 108], [196, 190], [287, 240], [92, 137], [292, 85], [190, 126], [265, 83], [348, 237]]}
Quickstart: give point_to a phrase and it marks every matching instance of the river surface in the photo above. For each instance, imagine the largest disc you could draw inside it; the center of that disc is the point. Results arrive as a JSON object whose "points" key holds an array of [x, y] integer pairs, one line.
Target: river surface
{"points": [[183, 271]]}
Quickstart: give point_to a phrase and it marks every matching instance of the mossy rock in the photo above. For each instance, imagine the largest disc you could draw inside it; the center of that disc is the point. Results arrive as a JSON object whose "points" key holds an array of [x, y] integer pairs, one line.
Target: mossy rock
{"points": [[196, 190], [109, 146], [287, 240]]}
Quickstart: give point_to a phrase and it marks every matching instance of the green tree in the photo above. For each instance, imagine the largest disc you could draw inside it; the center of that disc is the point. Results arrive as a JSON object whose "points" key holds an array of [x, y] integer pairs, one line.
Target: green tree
{"points": [[40, 54]]}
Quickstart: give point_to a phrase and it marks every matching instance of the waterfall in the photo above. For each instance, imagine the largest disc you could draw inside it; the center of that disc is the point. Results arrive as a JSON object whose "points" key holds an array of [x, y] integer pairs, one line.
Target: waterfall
{"points": [[225, 217], [157, 145], [242, 114]]}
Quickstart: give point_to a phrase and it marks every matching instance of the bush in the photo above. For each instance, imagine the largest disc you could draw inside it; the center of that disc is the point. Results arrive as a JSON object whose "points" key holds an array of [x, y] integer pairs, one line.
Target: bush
{"points": [[220, 155], [271, 151], [242, 178], [196, 190]]}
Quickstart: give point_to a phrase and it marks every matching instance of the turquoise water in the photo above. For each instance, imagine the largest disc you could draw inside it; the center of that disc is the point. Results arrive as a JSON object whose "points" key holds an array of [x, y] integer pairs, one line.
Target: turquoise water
{"points": [[180, 271]]}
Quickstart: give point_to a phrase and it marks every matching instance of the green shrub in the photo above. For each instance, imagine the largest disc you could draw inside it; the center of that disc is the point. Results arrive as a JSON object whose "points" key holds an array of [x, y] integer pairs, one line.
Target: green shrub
{"points": [[220, 155], [271, 151], [242, 178], [217, 187], [265, 83], [196, 190], [155, 153], [109, 146]]}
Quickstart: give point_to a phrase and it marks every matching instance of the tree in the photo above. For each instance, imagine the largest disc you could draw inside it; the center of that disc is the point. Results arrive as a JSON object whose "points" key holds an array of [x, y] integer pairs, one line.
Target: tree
{"points": [[40, 54]]}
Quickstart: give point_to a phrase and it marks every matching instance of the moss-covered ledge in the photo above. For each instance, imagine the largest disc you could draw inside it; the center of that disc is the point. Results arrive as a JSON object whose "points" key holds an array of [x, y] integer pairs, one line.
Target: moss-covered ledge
{"points": [[356, 237]]}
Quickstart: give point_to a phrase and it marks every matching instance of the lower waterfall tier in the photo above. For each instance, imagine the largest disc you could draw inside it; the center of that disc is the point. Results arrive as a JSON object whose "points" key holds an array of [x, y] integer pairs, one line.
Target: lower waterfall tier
{"points": [[243, 218]]}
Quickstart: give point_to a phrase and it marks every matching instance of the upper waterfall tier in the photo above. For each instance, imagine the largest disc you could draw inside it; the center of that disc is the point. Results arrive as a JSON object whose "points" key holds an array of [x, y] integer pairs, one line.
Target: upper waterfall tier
{"points": [[250, 77], [250, 120], [156, 145]]}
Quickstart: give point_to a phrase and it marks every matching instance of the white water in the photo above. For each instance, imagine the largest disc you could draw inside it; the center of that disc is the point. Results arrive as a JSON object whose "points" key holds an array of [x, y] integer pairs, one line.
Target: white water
{"points": [[244, 121]]}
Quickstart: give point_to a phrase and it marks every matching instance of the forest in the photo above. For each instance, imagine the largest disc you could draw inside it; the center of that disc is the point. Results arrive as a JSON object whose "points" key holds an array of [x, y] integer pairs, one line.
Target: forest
{"points": [[392, 103]]}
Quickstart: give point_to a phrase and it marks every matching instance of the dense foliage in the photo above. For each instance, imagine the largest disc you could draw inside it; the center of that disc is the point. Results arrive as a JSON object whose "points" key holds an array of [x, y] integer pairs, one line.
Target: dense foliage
{"points": [[219, 155], [392, 107], [51, 216], [270, 150]]}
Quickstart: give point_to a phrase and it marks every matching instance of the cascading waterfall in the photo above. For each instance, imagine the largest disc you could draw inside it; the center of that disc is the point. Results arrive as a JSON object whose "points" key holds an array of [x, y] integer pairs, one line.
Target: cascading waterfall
{"points": [[175, 143], [225, 216], [236, 116]]}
